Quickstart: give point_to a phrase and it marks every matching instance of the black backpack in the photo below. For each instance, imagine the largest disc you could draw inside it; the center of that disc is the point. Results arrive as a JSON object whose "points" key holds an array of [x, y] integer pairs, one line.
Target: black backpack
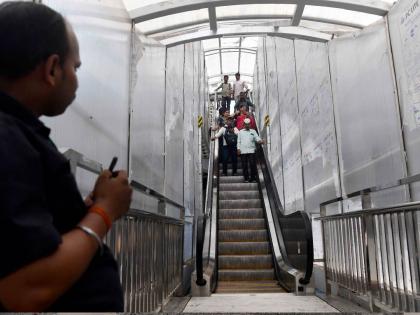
{"points": [[230, 137]]}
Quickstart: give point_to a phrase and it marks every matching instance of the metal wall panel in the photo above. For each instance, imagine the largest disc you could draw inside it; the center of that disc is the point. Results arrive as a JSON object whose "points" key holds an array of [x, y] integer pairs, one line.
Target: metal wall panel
{"points": [[368, 126], [189, 146], [147, 164], [96, 124], [404, 21], [290, 126], [318, 136], [274, 144], [261, 106], [199, 77], [174, 124]]}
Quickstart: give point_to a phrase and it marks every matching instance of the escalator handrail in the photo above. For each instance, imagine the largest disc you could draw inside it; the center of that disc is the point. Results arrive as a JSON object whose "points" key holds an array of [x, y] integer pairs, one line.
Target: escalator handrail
{"points": [[280, 212], [205, 222]]}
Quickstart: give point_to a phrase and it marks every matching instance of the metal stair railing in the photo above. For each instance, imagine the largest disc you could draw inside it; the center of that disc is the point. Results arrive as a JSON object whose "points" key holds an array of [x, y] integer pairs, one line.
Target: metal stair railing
{"points": [[375, 253], [148, 247]]}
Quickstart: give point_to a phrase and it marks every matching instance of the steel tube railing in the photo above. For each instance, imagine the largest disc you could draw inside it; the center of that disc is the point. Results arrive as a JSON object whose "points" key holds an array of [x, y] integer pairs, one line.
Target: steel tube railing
{"points": [[148, 247], [375, 253]]}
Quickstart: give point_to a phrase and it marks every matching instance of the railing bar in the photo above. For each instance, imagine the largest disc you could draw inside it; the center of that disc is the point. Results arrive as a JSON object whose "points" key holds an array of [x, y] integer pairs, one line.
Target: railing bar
{"points": [[327, 239], [384, 254], [399, 264], [412, 252], [353, 244], [408, 289], [391, 260], [357, 255], [379, 263], [365, 266], [348, 255]]}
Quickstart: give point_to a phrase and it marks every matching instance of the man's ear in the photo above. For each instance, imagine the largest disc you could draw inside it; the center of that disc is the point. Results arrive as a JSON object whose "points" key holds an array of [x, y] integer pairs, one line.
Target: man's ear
{"points": [[52, 70]]}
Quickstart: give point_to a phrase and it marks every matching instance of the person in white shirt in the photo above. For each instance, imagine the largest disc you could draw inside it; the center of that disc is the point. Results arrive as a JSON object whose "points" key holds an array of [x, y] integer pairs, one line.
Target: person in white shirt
{"points": [[226, 92], [230, 139], [247, 140], [238, 87]]}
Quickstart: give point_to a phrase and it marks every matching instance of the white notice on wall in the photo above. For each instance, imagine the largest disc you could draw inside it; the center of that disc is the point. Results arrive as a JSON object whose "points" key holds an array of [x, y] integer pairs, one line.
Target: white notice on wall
{"points": [[410, 37]]}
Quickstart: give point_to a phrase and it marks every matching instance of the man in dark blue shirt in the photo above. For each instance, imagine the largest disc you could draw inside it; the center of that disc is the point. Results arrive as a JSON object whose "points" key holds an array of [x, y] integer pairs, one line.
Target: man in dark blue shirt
{"points": [[52, 257]]}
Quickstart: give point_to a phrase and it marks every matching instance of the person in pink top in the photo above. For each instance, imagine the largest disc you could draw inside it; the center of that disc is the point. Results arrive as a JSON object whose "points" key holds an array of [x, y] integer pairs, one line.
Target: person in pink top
{"points": [[243, 114]]}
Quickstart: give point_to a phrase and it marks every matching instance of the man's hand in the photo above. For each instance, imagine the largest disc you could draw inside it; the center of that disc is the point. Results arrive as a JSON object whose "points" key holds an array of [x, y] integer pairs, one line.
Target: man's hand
{"points": [[261, 142], [212, 138], [113, 194], [239, 152]]}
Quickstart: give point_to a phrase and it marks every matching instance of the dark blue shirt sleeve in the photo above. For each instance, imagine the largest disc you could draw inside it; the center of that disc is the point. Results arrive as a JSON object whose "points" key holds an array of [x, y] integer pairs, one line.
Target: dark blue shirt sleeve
{"points": [[27, 232]]}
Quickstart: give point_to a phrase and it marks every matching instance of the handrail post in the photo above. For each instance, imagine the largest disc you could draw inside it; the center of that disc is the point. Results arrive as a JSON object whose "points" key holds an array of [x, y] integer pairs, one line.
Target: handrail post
{"points": [[371, 259]]}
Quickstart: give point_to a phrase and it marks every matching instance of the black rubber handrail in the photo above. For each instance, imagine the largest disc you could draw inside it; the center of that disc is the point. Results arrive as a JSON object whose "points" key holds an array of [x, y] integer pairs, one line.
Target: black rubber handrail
{"points": [[279, 214], [205, 219], [201, 228]]}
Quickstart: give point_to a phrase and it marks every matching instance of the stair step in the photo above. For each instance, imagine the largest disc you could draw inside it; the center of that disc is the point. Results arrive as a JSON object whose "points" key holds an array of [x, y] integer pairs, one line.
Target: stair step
{"points": [[231, 179], [292, 223], [246, 275], [245, 262], [262, 286], [238, 187], [298, 261], [252, 213], [240, 204], [295, 247], [244, 248], [241, 224], [243, 236], [239, 172], [294, 234], [239, 195]]}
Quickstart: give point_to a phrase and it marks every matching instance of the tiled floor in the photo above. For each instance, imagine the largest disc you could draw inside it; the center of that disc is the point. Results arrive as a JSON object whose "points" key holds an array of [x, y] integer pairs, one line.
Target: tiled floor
{"points": [[258, 303]]}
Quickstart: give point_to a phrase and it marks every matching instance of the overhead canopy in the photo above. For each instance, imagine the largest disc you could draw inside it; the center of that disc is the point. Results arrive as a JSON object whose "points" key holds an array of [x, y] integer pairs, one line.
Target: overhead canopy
{"points": [[229, 28]]}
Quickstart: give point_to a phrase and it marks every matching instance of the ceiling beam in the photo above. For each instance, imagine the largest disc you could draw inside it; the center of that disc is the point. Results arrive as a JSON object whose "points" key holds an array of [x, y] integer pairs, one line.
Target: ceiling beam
{"points": [[229, 74], [230, 48], [220, 56], [152, 11], [297, 17], [287, 32], [251, 17], [212, 19], [239, 56]]}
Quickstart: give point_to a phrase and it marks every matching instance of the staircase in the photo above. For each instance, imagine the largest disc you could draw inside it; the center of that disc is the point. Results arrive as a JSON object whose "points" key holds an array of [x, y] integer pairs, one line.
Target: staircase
{"points": [[245, 262]]}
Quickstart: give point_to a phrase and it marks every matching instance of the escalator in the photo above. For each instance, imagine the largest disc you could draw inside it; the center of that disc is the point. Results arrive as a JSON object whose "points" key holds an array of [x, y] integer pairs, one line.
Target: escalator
{"points": [[245, 242]]}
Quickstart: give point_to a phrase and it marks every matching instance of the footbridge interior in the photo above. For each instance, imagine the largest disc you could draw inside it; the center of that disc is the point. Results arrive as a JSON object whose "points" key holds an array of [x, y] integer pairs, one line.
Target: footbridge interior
{"points": [[332, 221]]}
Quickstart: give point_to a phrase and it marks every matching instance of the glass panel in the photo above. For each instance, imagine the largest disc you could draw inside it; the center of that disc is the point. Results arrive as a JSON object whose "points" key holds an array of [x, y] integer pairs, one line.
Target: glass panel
{"points": [[210, 43], [213, 64], [230, 62], [230, 42], [174, 19], [247, 63], [255, 9], [250, 42], [342, 15]]}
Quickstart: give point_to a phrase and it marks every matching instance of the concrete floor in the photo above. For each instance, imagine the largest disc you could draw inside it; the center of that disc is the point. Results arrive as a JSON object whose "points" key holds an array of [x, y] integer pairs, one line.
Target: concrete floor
{"points": [[258, 303]]}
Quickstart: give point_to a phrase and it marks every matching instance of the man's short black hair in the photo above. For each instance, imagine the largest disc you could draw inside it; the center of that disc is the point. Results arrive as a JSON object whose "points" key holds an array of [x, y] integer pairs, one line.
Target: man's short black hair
{"points": [[29, 34], [237, 74], [226, 76], [222, 111]]}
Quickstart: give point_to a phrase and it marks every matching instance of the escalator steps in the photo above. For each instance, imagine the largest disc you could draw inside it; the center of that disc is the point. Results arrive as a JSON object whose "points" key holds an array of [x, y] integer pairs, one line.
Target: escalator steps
{"points": [[239, 195], [246, 274], [238, 187], [245, 262], [243, 236], [240, 204], [244, 248], [241, 224]]}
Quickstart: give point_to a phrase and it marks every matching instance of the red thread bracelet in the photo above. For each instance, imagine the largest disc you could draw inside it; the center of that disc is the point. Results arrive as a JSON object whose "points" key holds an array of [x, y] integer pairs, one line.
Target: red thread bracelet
{"points": [[101, 212]]}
